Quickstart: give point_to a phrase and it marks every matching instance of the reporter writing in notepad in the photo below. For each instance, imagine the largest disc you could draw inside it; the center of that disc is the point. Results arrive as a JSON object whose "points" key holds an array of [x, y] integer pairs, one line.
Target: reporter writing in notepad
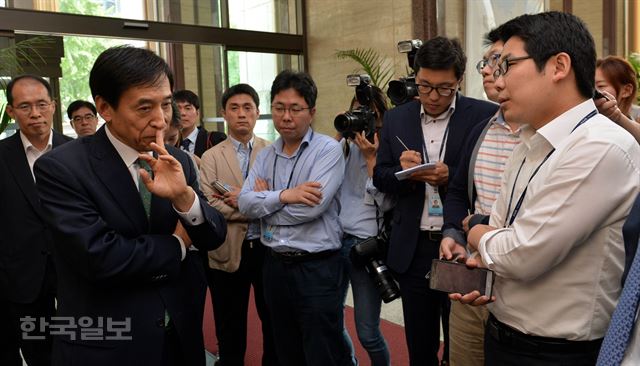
{"points": [[433, 129]]}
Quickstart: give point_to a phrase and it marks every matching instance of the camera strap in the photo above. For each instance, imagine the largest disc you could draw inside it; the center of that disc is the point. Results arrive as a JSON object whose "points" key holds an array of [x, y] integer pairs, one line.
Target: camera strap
{"points": [[516, 209]]}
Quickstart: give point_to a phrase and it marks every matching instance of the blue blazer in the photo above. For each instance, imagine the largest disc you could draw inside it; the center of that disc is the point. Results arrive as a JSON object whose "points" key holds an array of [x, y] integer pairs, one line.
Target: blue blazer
{"points": [[115, 263], [404, 122]]}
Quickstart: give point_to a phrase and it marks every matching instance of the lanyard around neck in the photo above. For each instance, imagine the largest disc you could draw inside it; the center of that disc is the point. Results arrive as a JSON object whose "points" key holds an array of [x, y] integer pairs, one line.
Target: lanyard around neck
{"points": [[518, 205], [303, 146], [444, 141]]}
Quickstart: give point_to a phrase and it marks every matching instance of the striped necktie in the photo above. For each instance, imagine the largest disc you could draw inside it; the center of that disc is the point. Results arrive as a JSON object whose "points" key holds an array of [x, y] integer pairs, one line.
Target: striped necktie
{"points": [[145, 195]]}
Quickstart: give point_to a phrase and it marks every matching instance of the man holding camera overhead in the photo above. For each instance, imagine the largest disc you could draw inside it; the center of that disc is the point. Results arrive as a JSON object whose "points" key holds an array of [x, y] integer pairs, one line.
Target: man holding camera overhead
{"points": [[430, 129]]}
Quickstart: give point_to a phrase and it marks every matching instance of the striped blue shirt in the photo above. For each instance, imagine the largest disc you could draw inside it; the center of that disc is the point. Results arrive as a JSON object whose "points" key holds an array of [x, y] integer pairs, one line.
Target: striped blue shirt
{"points": [[287, 227]]}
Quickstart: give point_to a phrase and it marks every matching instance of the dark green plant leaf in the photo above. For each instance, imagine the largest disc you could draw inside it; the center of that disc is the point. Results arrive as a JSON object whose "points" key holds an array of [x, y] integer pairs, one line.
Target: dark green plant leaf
{"points": [[371, 62]]}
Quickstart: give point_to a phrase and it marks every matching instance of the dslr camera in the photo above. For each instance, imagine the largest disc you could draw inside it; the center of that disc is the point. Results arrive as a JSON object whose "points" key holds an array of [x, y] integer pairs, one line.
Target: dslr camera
{"points": [[404, 90], [362, 118], [369, 254]]}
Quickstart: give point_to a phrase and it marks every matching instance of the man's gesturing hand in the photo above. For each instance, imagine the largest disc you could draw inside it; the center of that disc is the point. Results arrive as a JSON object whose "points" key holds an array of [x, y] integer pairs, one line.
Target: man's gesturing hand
{"points": [[168, 178]]}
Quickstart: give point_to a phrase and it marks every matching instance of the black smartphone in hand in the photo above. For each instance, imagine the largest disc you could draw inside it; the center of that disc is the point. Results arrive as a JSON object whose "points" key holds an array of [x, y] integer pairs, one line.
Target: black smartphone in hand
{"points": [[598, 95], [454, 277]]}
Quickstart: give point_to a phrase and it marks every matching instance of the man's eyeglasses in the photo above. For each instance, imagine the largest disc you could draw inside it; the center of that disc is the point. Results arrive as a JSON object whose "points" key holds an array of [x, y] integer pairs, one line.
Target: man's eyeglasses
{"points": [[504, 65], [426, 89], [492, 61], [295, 110], [86, 117], [25, 108]]}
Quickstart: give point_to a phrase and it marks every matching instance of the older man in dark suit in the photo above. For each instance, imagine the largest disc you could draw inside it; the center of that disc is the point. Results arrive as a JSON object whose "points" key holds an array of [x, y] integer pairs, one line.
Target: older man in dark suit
{"points": [[124, 211], [27, 274], [429, 130]]}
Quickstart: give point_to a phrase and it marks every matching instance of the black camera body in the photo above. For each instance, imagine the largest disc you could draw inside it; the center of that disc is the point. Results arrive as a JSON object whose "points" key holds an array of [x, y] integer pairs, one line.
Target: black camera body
{"points": [[362, 118], [369, 254], [404, 89]]}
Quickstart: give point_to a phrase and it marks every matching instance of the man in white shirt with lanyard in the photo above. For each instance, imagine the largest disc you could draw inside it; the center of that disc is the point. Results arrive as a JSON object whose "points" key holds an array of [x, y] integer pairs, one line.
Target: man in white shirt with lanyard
{"points": [[555, 234]]}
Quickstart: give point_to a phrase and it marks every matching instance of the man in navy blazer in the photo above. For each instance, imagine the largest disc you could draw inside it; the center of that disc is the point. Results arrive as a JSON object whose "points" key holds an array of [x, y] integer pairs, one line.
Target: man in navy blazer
{"points": [[125, 237], [27, 273], [437, 125]]}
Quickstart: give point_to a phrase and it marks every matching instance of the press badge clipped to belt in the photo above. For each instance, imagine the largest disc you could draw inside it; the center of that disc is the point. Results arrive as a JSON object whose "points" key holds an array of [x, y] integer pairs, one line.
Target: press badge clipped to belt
{"points": [[267, 231], [433, 200]]}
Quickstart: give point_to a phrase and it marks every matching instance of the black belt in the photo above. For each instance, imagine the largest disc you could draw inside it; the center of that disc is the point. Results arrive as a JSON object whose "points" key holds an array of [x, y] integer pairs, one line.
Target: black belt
{"points": [[431, 235], [511, 337], [252, 243], [302, 256]]}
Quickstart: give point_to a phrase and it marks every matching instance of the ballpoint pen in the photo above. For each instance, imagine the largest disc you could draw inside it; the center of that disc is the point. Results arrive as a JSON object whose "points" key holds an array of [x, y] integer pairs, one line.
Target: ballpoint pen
{"points": [[405, 146]]}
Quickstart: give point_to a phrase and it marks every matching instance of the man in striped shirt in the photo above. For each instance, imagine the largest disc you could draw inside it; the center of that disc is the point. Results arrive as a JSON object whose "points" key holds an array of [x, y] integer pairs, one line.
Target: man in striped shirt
{"points": [[470, 196]]}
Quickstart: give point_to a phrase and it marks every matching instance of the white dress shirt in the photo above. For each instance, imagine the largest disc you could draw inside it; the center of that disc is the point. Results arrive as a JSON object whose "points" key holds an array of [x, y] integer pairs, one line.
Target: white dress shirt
{"points": [[129, 156], [434, 133], [559, 265], [32, 152], [192, 137]]}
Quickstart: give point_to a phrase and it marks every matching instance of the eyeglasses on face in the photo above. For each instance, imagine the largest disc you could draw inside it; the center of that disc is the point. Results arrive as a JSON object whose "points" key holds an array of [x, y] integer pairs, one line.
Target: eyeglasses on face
{"points": [[25, 108], [87, 117], [491, 61], [426, 89], [294, 109], [503, 66]]}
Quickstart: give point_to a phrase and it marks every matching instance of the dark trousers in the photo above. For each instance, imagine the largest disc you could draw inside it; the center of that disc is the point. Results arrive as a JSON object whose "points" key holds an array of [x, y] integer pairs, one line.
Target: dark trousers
{"points": [[230, 299], [421, 306], [506, 353], [35, 351], [305, 303]]}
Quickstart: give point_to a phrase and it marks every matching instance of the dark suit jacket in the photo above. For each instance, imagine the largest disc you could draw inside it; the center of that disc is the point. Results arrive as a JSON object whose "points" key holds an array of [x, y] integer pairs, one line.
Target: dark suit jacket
{"points": [[631, 234], [25, 243], [404, 122], [206, 140], [459, 202], [115, 263]]}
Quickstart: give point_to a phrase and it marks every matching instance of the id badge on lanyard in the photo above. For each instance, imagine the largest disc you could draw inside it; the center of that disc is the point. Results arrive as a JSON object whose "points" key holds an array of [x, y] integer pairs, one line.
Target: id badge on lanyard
{"points": [[434, 202]]}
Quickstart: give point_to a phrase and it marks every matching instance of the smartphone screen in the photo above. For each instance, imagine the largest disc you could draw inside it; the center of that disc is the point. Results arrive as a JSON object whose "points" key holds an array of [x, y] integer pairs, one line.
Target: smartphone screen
{"points": [[454, 277]]}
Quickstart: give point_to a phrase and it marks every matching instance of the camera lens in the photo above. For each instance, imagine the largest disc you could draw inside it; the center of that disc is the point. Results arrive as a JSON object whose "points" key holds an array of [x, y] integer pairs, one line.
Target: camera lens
{"points": [[383, 281], [345, 122]]}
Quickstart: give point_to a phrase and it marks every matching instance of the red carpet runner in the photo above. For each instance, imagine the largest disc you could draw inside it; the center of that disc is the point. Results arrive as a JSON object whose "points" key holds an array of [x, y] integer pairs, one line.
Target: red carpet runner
{"points": [[393, 333]]}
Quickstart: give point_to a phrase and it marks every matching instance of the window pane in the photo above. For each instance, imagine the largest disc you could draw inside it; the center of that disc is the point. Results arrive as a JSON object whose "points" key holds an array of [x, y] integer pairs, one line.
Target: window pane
{"points": [[259, 70], [196, 12], [264, 15]]}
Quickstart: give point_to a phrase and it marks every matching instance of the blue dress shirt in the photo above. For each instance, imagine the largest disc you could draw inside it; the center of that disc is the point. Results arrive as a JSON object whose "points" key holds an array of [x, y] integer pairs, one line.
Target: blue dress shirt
{"points": [[358, 198], [243, 153], [299, 227]]}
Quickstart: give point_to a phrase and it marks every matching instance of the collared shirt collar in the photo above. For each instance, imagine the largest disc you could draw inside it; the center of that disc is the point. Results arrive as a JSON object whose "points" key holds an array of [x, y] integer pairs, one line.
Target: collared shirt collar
{"points": [[279, 144], [28, 145], [193, 136], [444, 115], [128, 154], [561, 127], [498, 119], [236, 143]]}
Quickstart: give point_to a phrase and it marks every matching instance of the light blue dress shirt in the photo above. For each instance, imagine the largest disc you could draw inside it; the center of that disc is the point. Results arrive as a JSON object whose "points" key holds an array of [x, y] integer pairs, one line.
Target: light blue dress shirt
{"points": [[358, 197], [287, 227], [243, 153]]}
